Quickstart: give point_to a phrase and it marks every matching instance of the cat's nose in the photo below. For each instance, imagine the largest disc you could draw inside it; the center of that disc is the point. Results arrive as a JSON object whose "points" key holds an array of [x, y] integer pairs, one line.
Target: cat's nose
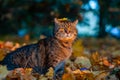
{"points": [[67, 32]]}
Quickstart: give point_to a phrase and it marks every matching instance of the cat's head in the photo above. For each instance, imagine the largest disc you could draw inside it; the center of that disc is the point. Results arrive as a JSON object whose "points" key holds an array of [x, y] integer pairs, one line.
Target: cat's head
{"points": [[65, 30]]}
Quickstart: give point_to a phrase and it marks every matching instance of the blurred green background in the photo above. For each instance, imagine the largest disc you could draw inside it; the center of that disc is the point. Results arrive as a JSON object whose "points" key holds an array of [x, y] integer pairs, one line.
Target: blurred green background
{"points": [[97, 18]]}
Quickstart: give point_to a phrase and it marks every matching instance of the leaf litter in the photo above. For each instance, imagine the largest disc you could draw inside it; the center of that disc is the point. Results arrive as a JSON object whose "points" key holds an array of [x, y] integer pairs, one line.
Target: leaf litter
{"points": [[91, 60]]}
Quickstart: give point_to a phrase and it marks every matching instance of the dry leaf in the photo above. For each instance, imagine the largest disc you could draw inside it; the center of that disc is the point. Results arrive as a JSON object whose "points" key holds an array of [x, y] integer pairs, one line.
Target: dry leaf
{"points": [[83, 61], [42, 77], [1, 44], [3, 72], [50, 72], [77, 72], [8, 44], [101, 76], [106, 62], [68, 76], [17, 45], [20, 74], [83, 75], [95, 57], [2, 54]]}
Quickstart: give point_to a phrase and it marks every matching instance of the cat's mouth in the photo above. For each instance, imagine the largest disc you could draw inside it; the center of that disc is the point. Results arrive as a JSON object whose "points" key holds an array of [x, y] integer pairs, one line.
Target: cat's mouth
{"points": [[65, 36]]}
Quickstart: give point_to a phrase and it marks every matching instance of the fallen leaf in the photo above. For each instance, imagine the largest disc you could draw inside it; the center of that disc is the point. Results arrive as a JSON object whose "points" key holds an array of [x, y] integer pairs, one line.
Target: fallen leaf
{"points": [[50, 72], [68, 76], [2, 54], [83, 61], [106, 62], [101, 76], [3, 72]]}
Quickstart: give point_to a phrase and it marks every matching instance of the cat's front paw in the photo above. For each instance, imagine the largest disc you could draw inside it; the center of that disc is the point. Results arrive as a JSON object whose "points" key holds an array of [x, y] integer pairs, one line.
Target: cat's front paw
{"points": [[59, 70]]}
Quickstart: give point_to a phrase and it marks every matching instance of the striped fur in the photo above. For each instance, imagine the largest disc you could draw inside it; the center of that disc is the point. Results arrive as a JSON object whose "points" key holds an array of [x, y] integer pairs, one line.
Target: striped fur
{"points": [[47, 52]]}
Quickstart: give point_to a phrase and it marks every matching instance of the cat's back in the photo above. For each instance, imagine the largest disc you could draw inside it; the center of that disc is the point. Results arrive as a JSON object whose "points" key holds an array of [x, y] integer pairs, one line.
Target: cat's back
{"points": [[24, 50]]}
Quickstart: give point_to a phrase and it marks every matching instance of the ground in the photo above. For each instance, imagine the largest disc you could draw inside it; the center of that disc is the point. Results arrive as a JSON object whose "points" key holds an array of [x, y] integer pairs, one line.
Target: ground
{"points": [[92, 59]]}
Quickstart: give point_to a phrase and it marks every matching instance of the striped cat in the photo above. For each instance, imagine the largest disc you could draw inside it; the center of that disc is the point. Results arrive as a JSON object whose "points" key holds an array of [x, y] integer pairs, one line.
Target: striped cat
{"points": [[46, 53]]}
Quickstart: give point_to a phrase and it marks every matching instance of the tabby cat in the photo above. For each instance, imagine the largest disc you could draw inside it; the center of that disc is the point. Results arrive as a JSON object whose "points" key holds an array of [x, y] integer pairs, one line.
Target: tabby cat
{"points": [[48, 52]]}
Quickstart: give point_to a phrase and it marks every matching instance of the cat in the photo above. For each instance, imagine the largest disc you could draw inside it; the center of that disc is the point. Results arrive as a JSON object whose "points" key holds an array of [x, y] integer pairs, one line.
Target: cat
{"points": [[46, 53]]}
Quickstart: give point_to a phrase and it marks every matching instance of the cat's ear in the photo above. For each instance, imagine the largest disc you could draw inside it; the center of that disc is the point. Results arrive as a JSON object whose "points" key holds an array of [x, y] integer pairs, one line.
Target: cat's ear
{"points": [[75, 22], [56, 21]]}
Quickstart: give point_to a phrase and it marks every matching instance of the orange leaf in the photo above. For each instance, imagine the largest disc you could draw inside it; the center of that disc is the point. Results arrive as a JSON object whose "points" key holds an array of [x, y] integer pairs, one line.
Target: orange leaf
{"points": [[106, 62], [68, 76]]}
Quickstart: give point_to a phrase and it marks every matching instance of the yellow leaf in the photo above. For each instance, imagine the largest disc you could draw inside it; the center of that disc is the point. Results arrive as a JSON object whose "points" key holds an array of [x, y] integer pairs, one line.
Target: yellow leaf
{"points": [[77, 72], [28, 70], [50, 72], [78, 48], [63, 19]]}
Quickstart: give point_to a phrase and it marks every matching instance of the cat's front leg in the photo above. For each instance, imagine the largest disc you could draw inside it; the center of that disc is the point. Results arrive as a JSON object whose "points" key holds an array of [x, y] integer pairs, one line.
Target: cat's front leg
{"points": [[59, 70]]}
